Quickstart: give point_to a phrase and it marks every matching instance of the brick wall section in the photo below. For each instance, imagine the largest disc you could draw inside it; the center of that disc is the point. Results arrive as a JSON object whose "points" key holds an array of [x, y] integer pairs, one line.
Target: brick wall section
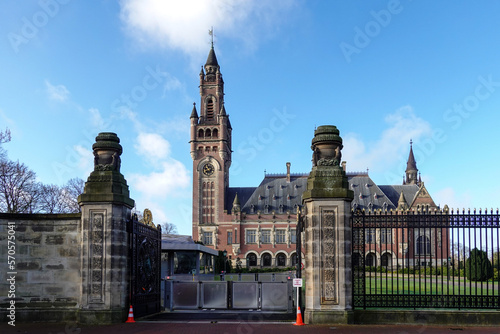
{"points": [[48, 264]]}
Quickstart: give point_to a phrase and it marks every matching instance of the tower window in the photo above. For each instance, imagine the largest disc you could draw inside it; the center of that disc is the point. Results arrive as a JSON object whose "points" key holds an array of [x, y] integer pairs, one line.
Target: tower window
{"points": [[210, 109], [215, 133], [208, 133], [200, 133]]}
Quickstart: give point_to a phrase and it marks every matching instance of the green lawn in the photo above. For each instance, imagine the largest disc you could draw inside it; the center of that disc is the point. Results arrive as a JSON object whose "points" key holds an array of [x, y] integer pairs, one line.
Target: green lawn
{"points": [[410, 285]]}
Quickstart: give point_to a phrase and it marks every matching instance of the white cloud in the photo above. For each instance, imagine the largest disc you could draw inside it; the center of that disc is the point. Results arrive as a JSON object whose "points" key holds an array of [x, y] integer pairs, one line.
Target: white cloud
{"points": [[96, 118], [153, 146], [184, 25], [448, 196], [56, 92], [390, 151], [169, 175], [85, 160]]}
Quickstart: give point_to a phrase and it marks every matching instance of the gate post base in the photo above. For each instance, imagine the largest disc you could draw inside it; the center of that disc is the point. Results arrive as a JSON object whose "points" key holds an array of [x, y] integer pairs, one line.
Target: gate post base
{"points": [[323, 317]]}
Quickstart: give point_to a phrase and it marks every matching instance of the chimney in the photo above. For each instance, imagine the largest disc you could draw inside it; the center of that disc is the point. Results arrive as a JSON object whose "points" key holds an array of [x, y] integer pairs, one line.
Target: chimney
{"points": [[344, 165], [288, 172]]}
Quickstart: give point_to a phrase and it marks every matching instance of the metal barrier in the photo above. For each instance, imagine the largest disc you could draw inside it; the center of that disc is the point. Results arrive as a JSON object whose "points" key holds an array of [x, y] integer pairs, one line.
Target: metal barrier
{"points": [[225, 295]]}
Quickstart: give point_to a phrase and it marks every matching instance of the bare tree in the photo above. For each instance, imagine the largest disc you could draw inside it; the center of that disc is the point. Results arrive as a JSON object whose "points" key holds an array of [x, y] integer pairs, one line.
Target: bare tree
{"points": [[70, 193], [51, 199], [4, 138], [168, 228], [19, 191]]}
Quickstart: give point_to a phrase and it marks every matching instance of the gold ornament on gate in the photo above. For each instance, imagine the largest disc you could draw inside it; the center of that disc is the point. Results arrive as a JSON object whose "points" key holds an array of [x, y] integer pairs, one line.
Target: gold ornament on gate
{"points": [[147, 218]]}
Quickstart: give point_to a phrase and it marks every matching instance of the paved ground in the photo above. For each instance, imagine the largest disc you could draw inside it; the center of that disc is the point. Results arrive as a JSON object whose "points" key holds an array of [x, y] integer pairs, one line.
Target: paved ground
{"points": [[234, 327]]}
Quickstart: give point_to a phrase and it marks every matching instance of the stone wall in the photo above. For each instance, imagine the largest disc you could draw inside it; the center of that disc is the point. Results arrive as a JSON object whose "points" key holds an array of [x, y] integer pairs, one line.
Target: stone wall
{"points": [[45, 276]]}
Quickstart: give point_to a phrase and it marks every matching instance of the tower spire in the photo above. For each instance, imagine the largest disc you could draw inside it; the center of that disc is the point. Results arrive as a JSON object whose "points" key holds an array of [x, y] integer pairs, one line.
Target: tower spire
{"points": [[411, 167]]}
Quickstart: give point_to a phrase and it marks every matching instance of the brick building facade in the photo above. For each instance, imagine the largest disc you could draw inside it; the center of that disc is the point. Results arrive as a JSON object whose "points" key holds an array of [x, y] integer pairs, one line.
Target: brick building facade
{"points": [[257, 225]]}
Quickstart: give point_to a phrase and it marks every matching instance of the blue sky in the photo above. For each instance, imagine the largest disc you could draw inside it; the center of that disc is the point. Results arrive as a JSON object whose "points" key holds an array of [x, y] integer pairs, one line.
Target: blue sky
{"points": [[383, 72]]}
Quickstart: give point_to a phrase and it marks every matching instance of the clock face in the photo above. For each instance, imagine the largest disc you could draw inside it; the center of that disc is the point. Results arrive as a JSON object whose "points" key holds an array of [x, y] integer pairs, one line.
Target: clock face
{"points": [[208, 169]]}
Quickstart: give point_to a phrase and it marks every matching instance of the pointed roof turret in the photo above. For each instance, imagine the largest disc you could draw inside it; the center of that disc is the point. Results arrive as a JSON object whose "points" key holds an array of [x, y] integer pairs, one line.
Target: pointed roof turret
{"points": [[223, 111], [236, 204], [402, 204], [194, 113], [212, 58], [411, 164], [236, 200]]}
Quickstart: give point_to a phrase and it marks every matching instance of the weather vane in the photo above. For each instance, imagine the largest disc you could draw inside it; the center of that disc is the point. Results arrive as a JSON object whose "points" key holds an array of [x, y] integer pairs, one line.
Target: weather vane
{"points": [[211, 33]]}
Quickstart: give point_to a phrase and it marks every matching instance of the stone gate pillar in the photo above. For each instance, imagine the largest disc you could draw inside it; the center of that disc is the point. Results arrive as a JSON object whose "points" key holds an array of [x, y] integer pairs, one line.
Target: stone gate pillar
{"points": [[327, 205], [106, 210]]}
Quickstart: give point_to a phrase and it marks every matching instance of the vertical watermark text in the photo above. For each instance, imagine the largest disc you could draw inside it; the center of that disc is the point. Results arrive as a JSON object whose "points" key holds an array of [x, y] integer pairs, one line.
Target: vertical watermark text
{"points": [[11, 273]]}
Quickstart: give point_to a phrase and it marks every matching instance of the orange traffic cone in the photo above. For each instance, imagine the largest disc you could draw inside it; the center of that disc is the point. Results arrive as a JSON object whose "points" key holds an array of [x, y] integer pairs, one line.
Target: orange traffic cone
{"points": [[130, 314], [299, 321]]}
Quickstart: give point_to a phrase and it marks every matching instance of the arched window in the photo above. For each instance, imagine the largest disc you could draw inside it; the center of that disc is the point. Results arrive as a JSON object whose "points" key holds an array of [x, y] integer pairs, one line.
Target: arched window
{"points": [[266, 260], [423, 245], [386, 260], [251, 260], [210, 109], [200, 133], [371, 260], [208, 133], [281, 260], [215, 133]]}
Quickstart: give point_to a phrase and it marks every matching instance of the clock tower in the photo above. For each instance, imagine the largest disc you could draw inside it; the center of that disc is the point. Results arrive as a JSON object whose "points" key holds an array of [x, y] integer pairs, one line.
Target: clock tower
{"points": [[211, 153]]}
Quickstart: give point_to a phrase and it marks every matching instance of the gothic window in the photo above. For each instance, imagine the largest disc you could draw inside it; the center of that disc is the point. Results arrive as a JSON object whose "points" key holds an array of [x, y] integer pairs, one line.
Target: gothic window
{"points": [[266, 237], [215, 133], [208, 133], [207, 238], [386, 236], [200, 133], [280, 236], [266, 260], [370, 235], [251, 237], [251, 260], [208, 202], [281, 260], [423, 245], [210, 109], [293, 236]]}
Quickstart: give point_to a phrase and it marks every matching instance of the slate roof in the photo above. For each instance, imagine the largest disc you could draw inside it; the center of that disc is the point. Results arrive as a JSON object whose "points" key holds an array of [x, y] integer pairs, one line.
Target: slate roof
{"points": [[212, 59], [275, 194]]}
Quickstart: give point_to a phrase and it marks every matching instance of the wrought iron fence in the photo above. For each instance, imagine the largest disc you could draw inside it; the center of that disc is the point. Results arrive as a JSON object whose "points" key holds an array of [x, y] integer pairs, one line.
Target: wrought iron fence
{"points": [[426, 259]]}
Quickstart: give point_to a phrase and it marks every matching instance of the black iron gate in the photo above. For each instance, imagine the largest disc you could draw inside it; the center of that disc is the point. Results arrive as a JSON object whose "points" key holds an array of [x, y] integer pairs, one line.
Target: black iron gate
{"points": [[426, 259], [145, 257]]}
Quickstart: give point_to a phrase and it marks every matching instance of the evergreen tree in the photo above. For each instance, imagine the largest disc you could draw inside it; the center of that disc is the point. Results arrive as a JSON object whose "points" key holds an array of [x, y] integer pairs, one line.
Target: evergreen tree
{"points": [[478, 267]]}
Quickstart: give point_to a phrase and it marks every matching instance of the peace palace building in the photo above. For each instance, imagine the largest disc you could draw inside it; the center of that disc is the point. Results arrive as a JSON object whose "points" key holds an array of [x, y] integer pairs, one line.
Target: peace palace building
{"points": [[257, 225]]}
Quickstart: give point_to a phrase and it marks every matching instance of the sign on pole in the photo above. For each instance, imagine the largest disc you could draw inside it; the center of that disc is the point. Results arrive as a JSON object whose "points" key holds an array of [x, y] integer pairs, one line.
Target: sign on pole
{"points": [[297, 282]]}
